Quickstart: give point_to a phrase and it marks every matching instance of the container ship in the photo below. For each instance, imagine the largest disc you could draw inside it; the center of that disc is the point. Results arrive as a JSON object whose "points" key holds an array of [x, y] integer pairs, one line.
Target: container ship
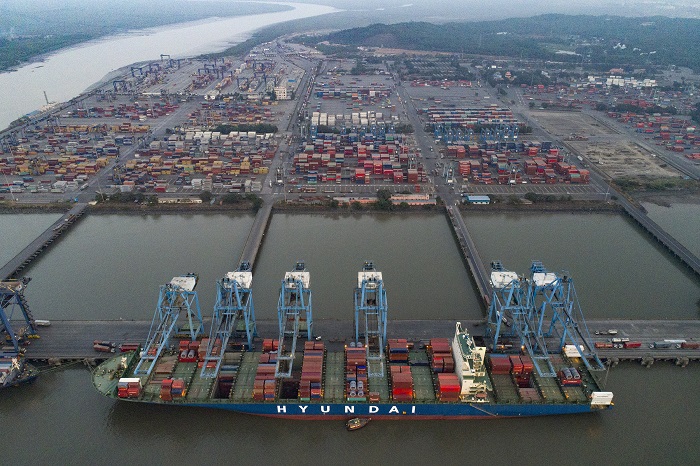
{"points": [[15, 333], [510, 371]]}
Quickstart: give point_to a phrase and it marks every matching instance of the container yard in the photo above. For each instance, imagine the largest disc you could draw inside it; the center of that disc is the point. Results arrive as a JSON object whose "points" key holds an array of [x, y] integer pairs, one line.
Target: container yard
{"points": [[355, 135], [437, 378], [154, 130]]}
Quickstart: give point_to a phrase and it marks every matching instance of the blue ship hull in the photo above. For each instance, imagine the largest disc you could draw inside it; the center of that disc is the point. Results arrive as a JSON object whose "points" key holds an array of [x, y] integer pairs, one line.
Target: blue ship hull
{"points": [[330, 411]]}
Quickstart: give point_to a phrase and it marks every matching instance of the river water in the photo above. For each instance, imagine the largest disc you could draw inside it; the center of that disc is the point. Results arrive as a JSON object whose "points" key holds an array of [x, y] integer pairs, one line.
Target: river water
{"points": [[680, 220], [57, 73], [110, 266], [16, 232], [618, 270]]}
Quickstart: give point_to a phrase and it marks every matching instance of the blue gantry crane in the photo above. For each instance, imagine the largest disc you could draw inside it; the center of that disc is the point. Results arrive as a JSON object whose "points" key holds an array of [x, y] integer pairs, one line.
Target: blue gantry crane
{"points": [[508, 299], [15, 328], [176, 297], [556, 312], [294, 316], [542, 314], [371, 311], [234, 306]]}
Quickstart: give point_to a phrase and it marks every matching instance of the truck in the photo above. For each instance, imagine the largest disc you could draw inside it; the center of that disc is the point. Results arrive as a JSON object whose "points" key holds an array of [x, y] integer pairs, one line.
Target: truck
{"points": [[619, 342]]}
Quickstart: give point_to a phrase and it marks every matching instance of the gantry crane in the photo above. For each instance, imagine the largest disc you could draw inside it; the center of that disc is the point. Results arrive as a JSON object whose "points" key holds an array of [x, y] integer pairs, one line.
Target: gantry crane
{"points": [[234, 306], [11, 301], [508, 299], [557, 314], [521, 307], [176, 297], [371, 309], [294, 316]]}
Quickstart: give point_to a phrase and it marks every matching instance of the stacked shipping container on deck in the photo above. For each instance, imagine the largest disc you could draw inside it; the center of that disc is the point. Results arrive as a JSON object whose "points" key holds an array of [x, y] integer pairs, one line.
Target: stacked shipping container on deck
{"points": [[448, 387], [398, 350], [264, 386], [401, 383], [310, 385], [440, 352], [356, 385]]}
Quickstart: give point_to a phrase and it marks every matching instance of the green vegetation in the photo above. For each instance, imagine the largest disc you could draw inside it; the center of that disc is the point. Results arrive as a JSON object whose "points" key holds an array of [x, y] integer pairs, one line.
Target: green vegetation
{"points": [[647, 41], [404, 128], [327, 129], [206, 196], [236, 198], [14, 52], [384, 200], [126, 198], [695, 114], [650, 110], [546, 198], [260, 128], [643, 183]]}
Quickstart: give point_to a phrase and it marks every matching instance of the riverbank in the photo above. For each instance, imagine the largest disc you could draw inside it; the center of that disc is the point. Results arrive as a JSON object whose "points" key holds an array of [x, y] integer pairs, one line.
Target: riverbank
{"points": [[132, 208], [667, 199], [560, 206], [16, 208]]}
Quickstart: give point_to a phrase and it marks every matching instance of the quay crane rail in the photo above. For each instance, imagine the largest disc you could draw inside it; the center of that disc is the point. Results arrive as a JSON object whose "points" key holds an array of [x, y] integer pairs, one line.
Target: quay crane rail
{"points": [[175, 297], [371, 308], [542, 313], [293, 307], [234, 303]]}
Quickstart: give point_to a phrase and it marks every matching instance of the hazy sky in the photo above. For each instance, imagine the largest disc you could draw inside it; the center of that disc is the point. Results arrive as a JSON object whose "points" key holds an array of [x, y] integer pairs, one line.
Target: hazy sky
{"points": [[439, 10]]}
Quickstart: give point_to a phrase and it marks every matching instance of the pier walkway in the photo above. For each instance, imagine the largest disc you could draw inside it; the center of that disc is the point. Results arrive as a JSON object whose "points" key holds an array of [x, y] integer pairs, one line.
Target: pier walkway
{"points": [[257, 232], [72, 340], [42, 242], [471, 255]]}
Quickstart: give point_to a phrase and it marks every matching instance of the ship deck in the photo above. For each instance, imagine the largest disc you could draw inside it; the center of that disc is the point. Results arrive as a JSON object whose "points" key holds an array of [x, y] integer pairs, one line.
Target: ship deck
{"points": [[239, 368]]}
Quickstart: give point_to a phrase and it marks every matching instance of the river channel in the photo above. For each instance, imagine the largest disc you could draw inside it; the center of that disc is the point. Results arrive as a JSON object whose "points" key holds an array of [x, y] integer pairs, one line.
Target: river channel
{"points": [[110, 266], [56, 74]]}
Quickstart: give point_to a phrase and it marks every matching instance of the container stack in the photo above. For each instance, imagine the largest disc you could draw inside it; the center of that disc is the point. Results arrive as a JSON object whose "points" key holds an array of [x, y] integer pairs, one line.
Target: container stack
{"points": [[129, 387], [499, 364], [441, 359], [202, 352], [165, 367], [448, 387], [529, 395], [569, 376], [189, 351], [356, 374], [398, 350], [172, 388], [521, 368], [312, 371], [401, 383], [264, 386], [270, 345]]}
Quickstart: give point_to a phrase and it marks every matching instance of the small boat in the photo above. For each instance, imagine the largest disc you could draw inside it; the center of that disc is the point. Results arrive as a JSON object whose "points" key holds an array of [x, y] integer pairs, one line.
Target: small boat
{"points": [[357, 423]]}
